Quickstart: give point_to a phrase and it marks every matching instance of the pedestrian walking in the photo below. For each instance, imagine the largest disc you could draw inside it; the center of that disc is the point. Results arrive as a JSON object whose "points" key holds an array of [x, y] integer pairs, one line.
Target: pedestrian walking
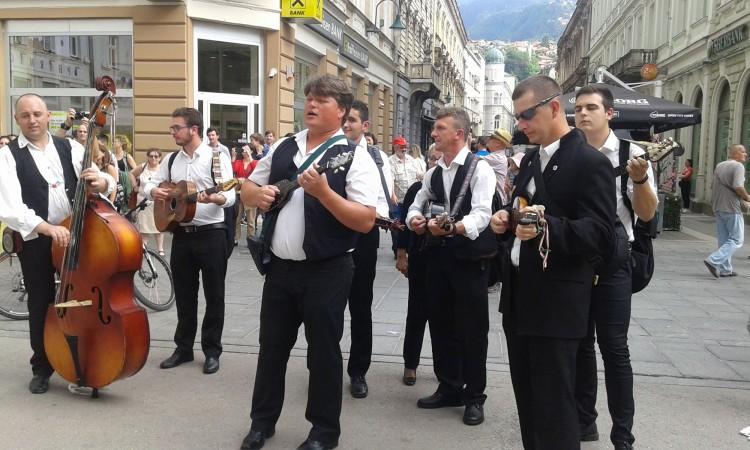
{"points": [[726, 200]]}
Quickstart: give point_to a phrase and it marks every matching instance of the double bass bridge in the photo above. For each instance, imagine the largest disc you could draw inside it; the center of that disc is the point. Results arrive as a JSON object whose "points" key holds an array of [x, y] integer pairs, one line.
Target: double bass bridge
{"points": [[74, 304]]}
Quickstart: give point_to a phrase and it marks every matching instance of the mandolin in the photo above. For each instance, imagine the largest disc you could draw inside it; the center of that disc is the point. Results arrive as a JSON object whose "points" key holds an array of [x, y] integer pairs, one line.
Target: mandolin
{"points": [[286, 187], [180, 206], [655, 152], [389, 224]]}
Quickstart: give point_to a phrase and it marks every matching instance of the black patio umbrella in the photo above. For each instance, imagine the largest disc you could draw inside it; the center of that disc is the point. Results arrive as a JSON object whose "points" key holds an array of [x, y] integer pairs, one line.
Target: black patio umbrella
{"points": [[637, 111]]}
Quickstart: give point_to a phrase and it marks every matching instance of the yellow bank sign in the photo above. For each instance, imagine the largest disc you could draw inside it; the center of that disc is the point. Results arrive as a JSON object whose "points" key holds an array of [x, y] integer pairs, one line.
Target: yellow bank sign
{"points": [[302, 9]]}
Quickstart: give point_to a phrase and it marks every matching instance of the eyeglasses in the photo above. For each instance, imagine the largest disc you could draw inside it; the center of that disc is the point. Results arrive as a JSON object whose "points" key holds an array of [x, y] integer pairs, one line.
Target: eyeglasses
{"points": [[177, 128], [153, 156], [528, 114]]}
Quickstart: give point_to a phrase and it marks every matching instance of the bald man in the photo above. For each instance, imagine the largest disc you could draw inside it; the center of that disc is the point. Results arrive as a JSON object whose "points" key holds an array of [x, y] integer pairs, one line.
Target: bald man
{"points": [[38, 177], [726, 200]]}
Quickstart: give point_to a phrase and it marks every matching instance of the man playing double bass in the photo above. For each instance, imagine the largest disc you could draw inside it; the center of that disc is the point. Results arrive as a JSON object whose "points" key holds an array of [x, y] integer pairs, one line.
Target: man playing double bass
{"points": [[198, 247], [38, 176]]}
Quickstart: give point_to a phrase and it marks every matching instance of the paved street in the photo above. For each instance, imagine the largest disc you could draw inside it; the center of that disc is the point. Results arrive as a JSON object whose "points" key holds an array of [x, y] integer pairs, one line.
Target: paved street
{"points": [[689, 346]]}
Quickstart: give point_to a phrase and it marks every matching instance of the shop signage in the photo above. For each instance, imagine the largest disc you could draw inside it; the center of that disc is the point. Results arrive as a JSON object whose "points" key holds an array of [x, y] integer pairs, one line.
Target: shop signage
{"points": [[728, 39], [355, 52], [302, 9], [330, 28]]}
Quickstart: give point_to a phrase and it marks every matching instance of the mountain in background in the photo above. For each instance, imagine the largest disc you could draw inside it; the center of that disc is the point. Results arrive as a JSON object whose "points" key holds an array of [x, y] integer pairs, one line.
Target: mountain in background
{"points": [[515, 20]]}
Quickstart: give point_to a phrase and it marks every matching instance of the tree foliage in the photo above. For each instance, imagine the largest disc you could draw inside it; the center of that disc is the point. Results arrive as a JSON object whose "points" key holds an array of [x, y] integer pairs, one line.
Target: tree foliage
{"points": [[519, 64]]}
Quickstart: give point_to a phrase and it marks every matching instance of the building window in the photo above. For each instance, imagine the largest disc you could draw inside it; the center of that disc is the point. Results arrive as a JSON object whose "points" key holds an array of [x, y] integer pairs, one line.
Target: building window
{"points": [[62, 66], [722, 125], [227, 68], [497, 122], [695, 150], [303, 71], [745, 135]]}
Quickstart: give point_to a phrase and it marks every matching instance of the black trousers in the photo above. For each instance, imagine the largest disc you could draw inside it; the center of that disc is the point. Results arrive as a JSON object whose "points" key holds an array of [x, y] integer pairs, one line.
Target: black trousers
{"points": [[416, 316], [201, 254], [459, 323], [542, 371], [365, 257], [313, 293], [39, 279], [610, 320], [685, 193]]}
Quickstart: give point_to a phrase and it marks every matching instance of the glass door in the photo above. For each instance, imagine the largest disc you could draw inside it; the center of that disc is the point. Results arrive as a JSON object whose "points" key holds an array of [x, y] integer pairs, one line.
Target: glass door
{"points": [[234, 120]]}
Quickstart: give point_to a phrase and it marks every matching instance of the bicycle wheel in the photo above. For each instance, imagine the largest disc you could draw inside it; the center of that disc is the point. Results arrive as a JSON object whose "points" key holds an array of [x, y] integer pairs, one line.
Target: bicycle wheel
{"points": [[153, 283], [13, 296]]}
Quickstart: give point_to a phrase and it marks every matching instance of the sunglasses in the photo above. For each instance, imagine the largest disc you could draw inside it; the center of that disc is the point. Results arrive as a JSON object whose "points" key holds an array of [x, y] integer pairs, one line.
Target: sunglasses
{"points": [[528, 114], [153, 156]]}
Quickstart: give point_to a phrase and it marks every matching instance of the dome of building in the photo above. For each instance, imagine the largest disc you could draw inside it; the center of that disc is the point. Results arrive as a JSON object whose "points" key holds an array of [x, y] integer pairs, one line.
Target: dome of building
{"points": [[494, 56]]}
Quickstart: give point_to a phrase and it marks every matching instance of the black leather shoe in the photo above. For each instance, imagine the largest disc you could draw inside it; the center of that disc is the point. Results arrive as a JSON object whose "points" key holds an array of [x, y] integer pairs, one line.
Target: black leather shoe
{"points": [[410, 377], [358, 387], [39, 384], [590, 433], [310, 444], [175, 360], [256, 439], [211, 365], [623, 446], [438, 400], [474, 414]]}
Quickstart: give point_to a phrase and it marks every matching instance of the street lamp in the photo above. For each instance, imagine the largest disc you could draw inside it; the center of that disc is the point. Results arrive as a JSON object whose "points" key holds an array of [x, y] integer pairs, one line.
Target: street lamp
{"points": [[397, 24]]}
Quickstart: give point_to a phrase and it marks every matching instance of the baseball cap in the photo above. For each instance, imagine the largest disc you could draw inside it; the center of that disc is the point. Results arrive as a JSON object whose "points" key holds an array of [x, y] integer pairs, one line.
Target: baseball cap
{"points": [[399, 140]]}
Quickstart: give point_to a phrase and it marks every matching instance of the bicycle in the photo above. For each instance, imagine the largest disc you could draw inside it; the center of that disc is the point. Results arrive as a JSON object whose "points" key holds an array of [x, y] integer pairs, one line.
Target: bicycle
{"points": [[13, 297], [153, 284]]}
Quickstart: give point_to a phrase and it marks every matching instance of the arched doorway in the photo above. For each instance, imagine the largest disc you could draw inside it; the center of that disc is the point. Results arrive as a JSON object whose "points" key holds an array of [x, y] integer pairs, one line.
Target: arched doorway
{"points": [[695, 144], [745, 134], [722, 125]]}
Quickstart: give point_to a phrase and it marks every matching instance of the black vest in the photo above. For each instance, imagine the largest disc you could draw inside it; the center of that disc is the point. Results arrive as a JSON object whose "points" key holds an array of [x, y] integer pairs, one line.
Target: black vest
{"points": [[325, 237], [485, 245], [34, 188]]}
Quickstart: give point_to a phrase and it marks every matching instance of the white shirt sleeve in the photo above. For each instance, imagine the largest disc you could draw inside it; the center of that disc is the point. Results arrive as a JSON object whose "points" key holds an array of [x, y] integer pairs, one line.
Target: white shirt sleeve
{"points": [[76, 154], [637, 151], [482, 189], [262, 172], [13, 211], [362, 179]]}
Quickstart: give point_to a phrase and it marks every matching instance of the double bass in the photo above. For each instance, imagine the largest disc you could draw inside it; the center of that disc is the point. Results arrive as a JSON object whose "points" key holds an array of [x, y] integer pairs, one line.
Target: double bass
{"points": [[94, 332]]}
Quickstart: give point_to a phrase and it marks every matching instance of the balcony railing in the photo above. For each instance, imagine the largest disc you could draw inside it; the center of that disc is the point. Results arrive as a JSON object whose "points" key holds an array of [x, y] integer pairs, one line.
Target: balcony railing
{"points": [[423, 73], [628, 68]]}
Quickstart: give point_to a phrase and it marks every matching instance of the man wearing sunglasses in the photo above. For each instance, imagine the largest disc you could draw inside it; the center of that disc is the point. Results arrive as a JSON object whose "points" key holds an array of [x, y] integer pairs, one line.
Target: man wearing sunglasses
{"points": [[546, 294]]}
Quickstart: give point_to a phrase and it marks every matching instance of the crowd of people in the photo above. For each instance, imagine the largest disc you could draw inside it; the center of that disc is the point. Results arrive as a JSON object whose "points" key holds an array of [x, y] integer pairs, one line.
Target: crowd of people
{"points": [[539, 211]]}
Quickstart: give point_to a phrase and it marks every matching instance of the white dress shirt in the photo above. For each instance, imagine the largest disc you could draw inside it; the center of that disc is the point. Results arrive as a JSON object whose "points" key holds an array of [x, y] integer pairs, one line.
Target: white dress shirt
{"points": [[545, 154], [13, 211], [482, 186], [611, 150], [198, 170], [383, 210], [362, 186]]}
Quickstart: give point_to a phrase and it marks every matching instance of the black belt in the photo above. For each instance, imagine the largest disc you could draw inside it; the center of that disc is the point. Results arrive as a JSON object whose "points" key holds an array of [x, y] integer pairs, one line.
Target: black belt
{"points": [[196, 228]]}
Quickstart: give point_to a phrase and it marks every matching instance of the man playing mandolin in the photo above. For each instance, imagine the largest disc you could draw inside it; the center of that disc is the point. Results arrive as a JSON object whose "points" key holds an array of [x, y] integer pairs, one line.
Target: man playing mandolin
{"points": [[311, 269], [199, 246], [457, 272], [37, 159], [610, 297]]}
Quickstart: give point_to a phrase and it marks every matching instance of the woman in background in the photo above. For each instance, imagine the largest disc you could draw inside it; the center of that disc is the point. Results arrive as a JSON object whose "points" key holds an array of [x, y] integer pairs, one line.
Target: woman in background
{"points": [[143, 174], [685, 177]]}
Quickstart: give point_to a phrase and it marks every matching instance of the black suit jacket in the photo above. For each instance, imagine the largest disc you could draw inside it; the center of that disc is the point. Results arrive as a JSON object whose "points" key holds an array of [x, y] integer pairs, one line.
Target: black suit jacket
{"points": [[580, 209]]}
